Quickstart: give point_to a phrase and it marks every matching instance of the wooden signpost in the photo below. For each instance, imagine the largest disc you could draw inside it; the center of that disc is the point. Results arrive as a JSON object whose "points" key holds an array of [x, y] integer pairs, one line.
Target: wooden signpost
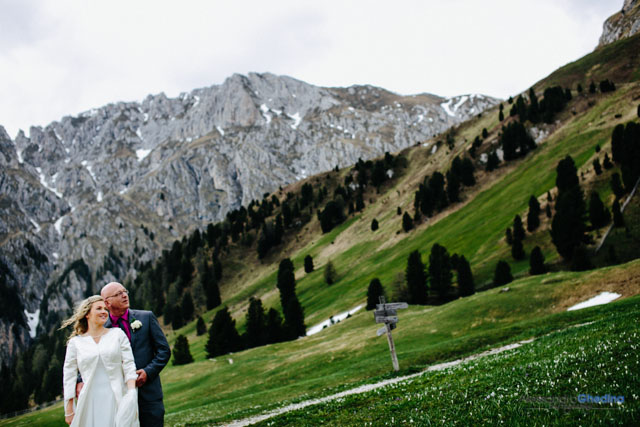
{"points": [[387, 313]]}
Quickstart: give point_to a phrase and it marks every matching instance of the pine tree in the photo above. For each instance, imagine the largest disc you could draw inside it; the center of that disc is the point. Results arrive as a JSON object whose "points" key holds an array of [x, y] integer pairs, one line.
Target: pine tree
{"points": [[492, 161], [517, 251], [440, 271], [286, 281], [508, 236], [453, 187], [330, 273], [568, 225], [181, 353], [374, 292], [618, 219], [187, 307], [256, 322], [536, 262], [201, 327], [416, 279], [606, 163], [308, 264], [580, 259], [294, 319], [502, 274], [518, 229], [407, 222], [599, 216], [210, 285], [374, 224], [467, 172], [616, 186], [466, 285], [548, 210], [533, 216], [617, 143], [223, 336], [275, 331], [177, 320], [596, 166]]}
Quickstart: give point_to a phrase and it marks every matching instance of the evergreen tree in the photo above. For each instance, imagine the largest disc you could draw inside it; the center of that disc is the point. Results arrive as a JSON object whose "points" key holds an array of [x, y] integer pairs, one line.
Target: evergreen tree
{"points": [[407, 222], [580, 259], [617, 143], [568, 225], [453, 187], [536, 262], [618, 219], [374, 224], [256, 322], [181, 352], [466, 285], [440, 271], [596, 166], [502, 274], [606, 163], [294, 319], [508, 236], [533, 216], [517, 251], [579, 88], [416, 279], [286, 281], [210, 285], [599, 216], [187, 307], [500, 116], [616, 186], [518, 229], [485, 134], [201, 327], [275, 331], [467, 172], [308, 264], [223, 336], [177, 319], [438, 193], [374, 292], [330, 273], [592, 87], [492, 161], [548, 210]]}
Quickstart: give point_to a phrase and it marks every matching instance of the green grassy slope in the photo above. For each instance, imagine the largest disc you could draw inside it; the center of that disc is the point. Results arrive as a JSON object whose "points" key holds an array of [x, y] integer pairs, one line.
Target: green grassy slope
{"points": [[537, 384]]}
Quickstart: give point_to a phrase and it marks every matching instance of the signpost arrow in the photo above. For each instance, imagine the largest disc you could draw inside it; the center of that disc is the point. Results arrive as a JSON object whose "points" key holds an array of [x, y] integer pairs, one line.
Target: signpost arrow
{"points": [[379, 313], [387, 319]]}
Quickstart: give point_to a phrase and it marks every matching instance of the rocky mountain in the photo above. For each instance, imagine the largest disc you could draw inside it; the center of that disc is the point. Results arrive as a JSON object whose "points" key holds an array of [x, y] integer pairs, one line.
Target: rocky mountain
{"points": [[86, 196], [623, 24]]}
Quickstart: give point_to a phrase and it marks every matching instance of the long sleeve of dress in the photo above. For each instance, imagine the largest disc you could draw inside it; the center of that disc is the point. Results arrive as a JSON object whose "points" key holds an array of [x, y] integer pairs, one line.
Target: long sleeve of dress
{"points": [[70, 371], [128, 363]]}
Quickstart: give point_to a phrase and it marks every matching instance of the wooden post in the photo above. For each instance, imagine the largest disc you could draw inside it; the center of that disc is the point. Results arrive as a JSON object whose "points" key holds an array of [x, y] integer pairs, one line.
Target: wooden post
{"points": [[392, 347]]}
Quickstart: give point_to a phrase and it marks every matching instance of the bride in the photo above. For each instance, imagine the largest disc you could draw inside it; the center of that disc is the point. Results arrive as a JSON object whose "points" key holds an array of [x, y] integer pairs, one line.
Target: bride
{"points": [[104, 359]]}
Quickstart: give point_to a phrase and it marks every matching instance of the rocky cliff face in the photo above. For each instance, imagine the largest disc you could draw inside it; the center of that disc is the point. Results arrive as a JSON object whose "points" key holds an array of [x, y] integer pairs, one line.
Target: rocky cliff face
{"points": [[85, 196], [623, 24]]}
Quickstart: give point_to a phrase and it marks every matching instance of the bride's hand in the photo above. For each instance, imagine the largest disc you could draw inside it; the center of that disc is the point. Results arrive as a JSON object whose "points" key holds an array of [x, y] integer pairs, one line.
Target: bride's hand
{"points": [[68, 419]]}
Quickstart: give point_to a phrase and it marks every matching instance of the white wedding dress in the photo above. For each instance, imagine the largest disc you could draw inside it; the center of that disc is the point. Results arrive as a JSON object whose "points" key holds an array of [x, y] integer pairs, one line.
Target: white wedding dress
{"points": [[105, 367]]}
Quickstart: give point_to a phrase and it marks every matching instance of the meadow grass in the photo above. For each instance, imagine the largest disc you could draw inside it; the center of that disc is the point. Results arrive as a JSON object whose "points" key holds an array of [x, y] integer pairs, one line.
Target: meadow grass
{"points": [[539, 383]]}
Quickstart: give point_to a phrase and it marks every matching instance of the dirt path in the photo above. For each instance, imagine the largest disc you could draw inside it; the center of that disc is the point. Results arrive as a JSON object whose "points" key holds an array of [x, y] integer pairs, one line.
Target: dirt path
{"points": [[369, 387]]}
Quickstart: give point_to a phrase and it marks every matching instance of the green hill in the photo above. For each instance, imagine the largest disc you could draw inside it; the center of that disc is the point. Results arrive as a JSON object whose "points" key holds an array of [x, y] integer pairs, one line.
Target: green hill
{"points": [[349, 353]]}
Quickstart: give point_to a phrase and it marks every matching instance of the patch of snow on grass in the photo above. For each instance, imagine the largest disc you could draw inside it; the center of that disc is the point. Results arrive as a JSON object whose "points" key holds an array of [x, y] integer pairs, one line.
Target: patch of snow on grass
{"points": [[337, 318], [601, 298]]}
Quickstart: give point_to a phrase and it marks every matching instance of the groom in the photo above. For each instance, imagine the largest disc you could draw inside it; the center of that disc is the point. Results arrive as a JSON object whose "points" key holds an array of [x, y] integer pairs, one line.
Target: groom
{"points": [[150, 350]]}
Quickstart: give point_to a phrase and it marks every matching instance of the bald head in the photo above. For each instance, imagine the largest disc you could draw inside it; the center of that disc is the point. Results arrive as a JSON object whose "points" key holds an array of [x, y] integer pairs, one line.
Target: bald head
{"points": [[116, 298], [110, 289]]}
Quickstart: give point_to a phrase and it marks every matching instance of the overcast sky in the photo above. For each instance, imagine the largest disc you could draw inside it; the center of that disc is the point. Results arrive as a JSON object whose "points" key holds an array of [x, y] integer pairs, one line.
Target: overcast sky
{"points": [[62, 57]]}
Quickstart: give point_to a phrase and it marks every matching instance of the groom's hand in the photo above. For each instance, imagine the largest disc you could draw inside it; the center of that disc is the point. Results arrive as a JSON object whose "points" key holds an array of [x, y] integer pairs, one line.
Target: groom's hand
{"points": [[142, 377], [78, 388]]}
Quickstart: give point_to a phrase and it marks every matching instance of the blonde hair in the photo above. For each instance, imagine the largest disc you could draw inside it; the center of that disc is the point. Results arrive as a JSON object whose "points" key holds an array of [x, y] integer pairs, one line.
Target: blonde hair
{"points": [[79, 317]]}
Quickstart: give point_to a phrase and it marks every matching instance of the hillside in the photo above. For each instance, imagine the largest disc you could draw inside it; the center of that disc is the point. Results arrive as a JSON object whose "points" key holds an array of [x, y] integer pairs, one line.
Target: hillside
{"points": [[265, 377]]}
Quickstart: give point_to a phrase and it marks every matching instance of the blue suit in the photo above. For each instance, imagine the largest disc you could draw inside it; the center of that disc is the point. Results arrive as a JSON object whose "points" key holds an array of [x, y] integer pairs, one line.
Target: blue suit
{"points": [[151, 352]]}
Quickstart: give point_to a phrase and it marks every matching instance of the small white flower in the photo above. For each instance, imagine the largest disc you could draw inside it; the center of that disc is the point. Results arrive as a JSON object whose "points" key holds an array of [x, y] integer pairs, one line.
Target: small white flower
{"points": [[136, 324]]}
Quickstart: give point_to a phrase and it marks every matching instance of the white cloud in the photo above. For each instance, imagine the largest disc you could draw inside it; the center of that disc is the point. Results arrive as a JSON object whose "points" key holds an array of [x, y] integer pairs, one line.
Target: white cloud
{"points": [[61, 57]]}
